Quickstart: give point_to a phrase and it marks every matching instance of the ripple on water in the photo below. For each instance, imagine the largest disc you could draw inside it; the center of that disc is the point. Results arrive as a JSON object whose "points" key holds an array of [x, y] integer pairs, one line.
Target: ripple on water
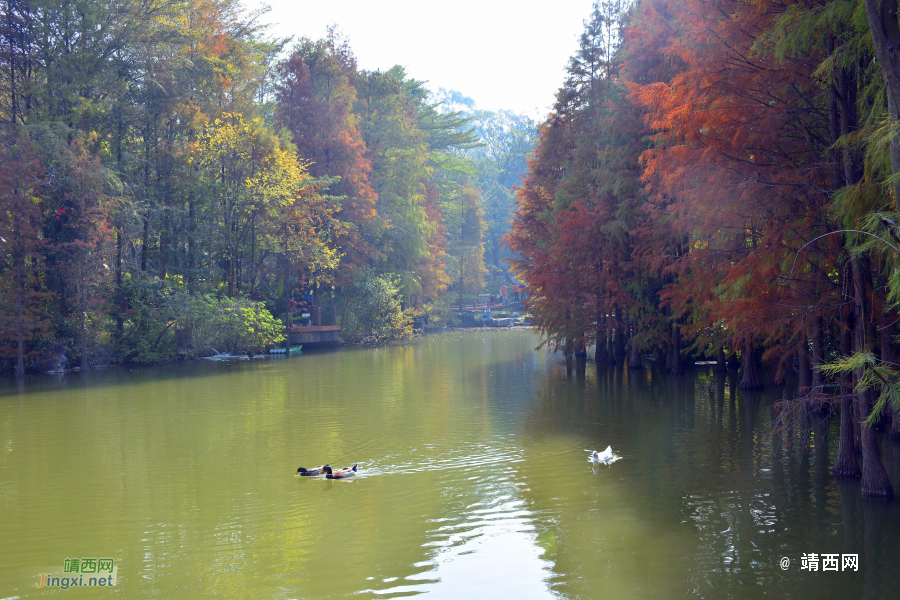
{"points": [[483, 514], [465, 458], [472, 482]]}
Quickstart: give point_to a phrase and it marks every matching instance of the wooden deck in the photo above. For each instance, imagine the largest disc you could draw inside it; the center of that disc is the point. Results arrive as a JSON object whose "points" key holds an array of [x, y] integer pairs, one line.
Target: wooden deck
{"points": [[316, 336]]}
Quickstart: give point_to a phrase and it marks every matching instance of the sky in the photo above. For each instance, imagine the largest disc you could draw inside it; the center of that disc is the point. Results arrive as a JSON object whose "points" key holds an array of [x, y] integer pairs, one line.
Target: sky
{"points": [[503, 54]]}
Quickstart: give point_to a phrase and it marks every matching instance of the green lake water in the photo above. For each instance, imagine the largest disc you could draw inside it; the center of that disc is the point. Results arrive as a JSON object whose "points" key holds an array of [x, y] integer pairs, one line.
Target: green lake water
{"points": [[473, 481]]}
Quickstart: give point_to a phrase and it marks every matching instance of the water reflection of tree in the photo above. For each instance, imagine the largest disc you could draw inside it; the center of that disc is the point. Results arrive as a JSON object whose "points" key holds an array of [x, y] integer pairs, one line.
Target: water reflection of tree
{"points": [[698, 455]]}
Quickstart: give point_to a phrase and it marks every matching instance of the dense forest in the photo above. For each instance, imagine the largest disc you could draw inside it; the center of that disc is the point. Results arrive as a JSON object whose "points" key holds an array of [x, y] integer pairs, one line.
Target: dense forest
{"points": [[175, 182], [719, 179]]}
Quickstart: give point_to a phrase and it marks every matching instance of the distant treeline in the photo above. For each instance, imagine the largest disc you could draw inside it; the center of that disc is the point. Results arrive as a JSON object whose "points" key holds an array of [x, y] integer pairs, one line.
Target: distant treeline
{"points": [[720, 179], [171, 177]]}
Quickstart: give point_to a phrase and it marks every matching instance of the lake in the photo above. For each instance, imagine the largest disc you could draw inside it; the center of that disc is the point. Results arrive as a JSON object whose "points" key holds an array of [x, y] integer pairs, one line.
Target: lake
{"points": [[473, 481]]}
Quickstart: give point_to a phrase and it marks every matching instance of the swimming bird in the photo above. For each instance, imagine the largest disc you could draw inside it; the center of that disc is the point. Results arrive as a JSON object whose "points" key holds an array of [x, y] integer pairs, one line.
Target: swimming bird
{"points": [[340, 473], [312, 472], [606, 456]]}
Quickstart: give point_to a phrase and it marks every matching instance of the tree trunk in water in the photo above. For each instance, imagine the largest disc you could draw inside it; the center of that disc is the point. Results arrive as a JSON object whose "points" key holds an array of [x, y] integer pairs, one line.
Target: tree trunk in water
{"points": [[610, 351], [733, 360], [845, 464], [750, 379], [600, 351], [820, 433], [634, 356], [875, 481], [721, 365], [620, 334], [805, 374], [818, 355], [581, 360], [677, 368]]}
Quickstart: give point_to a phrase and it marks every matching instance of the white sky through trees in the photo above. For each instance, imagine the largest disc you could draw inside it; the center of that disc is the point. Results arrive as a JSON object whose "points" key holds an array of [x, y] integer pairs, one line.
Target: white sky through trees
{"points": [[504, 54]]}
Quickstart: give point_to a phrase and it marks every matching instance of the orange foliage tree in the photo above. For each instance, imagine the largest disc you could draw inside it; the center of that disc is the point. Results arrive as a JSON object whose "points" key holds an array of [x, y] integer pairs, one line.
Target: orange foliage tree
{"points": [[315, 93], [736, 180], [738, 227]]}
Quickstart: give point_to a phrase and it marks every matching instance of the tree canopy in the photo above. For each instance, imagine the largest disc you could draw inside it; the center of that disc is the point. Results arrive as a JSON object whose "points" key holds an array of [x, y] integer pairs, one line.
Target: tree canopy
{"points": [[174, 154], [719, 178]]}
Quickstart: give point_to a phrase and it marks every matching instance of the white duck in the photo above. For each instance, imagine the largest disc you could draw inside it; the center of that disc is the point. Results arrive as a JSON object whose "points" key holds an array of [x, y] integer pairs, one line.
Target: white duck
{"points": [[606, 456]]}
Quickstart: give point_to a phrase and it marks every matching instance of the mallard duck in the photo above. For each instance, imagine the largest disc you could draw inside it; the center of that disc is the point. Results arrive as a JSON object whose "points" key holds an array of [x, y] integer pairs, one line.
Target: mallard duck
{"points": [[312, 472], [339, 474], [606, 456]]}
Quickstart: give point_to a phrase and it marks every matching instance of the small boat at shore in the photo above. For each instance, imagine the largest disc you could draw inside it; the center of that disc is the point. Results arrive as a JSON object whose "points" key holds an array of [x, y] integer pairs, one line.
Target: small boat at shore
{"points": [[296, 348]]}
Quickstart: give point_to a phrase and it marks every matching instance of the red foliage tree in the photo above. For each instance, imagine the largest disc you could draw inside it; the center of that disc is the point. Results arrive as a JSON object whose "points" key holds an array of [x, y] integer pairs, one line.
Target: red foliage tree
{"points": [[577, 207], [315, 96], [21, 250], [80, 239], [736, 182]]}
